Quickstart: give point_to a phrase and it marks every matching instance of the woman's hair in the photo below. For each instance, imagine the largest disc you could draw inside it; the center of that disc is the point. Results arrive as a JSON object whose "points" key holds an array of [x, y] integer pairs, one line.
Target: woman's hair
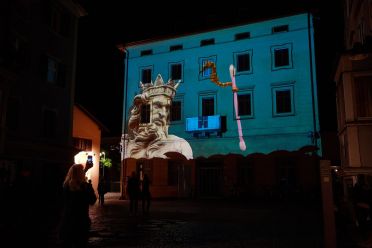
{"points": [[75, 177]]}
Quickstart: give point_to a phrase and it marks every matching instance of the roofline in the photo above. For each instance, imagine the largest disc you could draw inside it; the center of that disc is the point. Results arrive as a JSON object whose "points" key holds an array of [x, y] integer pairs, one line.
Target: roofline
{"points": [[123, 46], [92, 117]]}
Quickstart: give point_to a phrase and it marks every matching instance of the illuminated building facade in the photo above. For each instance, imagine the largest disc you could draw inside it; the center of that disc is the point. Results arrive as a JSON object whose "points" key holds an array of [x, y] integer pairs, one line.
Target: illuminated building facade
{"points": [[277, 97]]}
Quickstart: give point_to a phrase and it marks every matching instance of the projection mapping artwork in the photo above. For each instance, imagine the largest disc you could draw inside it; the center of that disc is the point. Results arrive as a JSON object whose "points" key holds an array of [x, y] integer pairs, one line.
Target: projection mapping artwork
{"points": [[148, 123]]}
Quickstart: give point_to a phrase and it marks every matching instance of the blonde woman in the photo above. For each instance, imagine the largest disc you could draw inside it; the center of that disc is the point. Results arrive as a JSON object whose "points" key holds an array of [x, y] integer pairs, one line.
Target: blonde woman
{"points": [[78, 194]]}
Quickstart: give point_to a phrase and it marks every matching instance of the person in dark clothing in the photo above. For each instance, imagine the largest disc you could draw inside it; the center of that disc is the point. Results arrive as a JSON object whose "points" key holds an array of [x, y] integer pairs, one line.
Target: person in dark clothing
{"points": [[133, 189], [77, 196], [362, 202], [101, 191], [146, 194]]}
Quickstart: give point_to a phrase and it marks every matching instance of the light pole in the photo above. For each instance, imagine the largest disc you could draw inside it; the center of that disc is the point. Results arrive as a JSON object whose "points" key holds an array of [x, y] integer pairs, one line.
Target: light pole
{"points": [[103, 165]]}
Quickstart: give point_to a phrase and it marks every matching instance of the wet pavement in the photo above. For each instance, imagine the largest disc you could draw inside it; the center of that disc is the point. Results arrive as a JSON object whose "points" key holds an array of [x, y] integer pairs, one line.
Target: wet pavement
{"points": [[184, 223], [205, 223]]}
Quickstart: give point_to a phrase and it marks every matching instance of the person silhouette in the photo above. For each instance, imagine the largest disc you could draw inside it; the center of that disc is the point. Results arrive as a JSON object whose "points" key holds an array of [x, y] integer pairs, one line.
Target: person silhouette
{"points": [[78, 194], [146, 194], [133, 189], [101, 191]]}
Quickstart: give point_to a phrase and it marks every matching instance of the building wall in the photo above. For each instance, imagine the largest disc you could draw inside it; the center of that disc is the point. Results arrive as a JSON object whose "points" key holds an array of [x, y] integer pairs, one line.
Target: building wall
{"points": [[85, 127], [264, 132]]}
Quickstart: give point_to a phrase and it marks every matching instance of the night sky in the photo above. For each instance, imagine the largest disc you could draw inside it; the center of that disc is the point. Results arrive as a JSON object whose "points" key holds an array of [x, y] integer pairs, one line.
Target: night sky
{"points": [[99, 79]]}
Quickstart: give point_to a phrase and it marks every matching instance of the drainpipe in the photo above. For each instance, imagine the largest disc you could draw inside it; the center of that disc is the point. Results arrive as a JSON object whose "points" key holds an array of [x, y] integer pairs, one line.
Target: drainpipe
{"points": [[123, 174], [314, 132]]}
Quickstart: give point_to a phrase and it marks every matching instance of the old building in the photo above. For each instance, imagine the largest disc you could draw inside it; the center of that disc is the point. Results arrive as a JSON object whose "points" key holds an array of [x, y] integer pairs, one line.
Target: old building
{"points": [[353, 78], [275, 75]]}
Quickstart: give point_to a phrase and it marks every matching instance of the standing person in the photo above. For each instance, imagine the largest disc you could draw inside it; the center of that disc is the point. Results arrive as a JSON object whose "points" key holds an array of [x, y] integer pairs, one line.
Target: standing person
{"points": [[146, 194], [78, 194], [101, 191], [133, 189], [361, 200]]}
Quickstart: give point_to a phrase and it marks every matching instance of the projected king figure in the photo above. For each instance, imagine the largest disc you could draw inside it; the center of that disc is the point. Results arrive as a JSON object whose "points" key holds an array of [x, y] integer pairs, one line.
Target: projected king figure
{"points": [[149, 122]]}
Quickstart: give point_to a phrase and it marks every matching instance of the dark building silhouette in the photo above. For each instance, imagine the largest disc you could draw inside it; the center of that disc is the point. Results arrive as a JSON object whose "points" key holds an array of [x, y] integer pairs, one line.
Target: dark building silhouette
{"points": [[38, 40]]}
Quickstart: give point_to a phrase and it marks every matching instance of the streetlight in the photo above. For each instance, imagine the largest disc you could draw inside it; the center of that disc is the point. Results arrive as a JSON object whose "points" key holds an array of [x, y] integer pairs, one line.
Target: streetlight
{"points": [[101, 163]]}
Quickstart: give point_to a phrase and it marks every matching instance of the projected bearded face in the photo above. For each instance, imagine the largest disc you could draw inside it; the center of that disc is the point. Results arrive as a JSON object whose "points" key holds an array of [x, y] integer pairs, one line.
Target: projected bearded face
{"points": [[160, 112]]}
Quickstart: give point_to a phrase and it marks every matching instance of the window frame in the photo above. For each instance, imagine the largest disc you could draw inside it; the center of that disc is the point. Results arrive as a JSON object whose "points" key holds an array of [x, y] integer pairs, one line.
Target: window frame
{"points": [[178, 98], [248, 52], [141, 69], [204, 95], [275, 48], [246, 92], [181, 63], [202, 61], [285, 87]]}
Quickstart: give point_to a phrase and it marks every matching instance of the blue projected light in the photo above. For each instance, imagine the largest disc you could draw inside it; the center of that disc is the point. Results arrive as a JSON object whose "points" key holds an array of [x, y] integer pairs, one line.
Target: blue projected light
{"points": [[203, 123]]}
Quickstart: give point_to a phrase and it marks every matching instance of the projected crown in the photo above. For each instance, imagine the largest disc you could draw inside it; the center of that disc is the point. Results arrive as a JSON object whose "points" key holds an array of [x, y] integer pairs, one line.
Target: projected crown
{"points": [[160, 88]]}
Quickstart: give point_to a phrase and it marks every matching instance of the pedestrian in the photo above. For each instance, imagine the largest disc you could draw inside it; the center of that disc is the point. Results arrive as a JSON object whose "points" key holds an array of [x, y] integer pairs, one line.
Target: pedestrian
{"points": [[78, 194], [362, 200], [133, 189], [101, 191], [146, 194]]}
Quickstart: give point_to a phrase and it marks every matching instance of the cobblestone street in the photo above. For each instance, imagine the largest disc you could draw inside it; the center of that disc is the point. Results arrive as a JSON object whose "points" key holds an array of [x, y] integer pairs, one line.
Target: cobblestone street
{"points": [[206, 223]]}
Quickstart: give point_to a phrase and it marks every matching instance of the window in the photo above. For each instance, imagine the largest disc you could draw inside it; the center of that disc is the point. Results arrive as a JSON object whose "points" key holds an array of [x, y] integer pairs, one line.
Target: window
{"points": [[82, 144], [175, 48], [176, 113], [49, 124], [283, 100], [145, 113], [175, 71], [363, 92], [241, 36], [207, 72], [206, 42], [243, 62], [56, 72], [60, 21], [281, 56], [207, 106], [146, 74], [245, 103], [146, 52], [279, 29]]}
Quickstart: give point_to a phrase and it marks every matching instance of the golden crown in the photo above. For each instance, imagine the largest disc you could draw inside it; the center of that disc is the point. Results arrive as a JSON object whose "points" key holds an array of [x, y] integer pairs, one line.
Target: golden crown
{"points": [[160, 88]]}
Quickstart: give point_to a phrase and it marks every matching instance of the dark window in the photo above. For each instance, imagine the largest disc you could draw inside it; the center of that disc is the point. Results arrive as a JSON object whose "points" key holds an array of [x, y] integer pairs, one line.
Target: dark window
{"points": [[243, 62], [176, 111], [278, 29], [50, 124], [146, 52], [145, 113], [363, 87], [207, 42], [208, 106], [244, 102], [242, 36], [60, 21], [83, 144], [146, 76], [176, 71], [281, 57], [175, 47], [283, 101], [52, 70], [12, 114]]}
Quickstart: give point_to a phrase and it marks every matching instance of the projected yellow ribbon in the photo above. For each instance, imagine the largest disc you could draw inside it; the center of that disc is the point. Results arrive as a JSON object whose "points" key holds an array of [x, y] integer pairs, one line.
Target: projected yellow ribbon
{"points": [[214, 79]]}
